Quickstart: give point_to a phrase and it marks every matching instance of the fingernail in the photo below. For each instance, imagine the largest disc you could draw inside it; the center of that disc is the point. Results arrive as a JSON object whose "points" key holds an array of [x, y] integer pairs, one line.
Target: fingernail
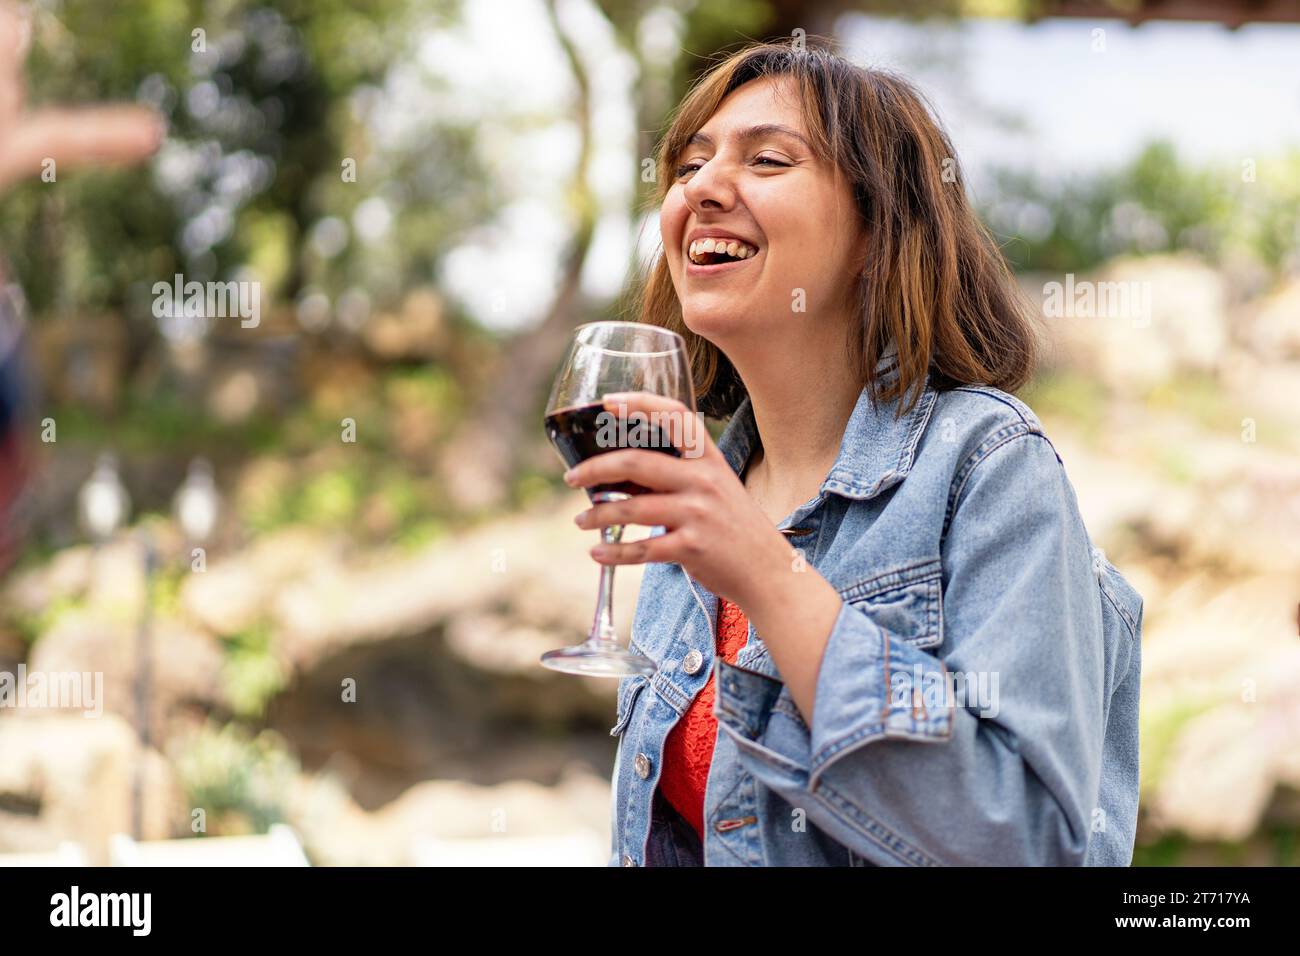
{"points": [[599, 551], [568, 476], [580, 517]]}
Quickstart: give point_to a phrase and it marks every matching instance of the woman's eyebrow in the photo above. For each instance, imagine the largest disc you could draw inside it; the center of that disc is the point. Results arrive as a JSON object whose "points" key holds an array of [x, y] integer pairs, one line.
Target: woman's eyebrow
{"points": [[753, 133]]}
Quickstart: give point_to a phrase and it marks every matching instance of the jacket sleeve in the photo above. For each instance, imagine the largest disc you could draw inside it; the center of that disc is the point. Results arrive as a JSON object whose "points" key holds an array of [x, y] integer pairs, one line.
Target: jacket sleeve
{"points": [[904, 768]]}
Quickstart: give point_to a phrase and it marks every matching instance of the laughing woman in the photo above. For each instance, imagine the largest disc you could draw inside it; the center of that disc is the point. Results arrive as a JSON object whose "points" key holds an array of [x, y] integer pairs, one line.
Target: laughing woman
{"points": [[883, 634]]}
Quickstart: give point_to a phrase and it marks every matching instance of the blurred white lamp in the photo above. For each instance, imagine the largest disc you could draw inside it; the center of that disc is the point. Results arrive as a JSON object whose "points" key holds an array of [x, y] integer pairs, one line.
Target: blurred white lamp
{"points": [[196, 504], [102, 503]]}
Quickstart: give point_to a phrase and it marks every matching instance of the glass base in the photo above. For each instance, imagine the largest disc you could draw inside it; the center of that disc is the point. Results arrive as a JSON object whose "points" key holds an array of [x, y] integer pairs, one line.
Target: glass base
{"points": [[599, 660]]}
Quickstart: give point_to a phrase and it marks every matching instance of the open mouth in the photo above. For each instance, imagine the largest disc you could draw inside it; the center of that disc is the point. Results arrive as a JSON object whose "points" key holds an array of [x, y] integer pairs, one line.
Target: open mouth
{"points": [[708, 254]]}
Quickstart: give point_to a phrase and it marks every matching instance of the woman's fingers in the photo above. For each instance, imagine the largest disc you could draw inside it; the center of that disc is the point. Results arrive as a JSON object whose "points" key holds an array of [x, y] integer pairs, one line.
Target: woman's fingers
{"points": [[15, 33], [655, 470], [663, 548], [75, 137], [648, 510], [681, 427], [68, 137]]}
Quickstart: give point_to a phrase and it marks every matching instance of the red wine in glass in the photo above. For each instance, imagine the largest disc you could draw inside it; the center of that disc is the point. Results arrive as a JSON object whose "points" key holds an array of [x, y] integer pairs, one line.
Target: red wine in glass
{"points": [[585, 431]]}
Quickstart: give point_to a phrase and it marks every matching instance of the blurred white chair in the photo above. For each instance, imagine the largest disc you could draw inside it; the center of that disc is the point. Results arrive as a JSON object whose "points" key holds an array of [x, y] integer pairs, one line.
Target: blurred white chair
{"points": [[278, 847], [576, 848]]}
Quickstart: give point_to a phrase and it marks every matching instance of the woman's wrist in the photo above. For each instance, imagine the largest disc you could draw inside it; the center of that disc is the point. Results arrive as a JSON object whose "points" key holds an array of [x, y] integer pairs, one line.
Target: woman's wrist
{"points": [[793, 608]]}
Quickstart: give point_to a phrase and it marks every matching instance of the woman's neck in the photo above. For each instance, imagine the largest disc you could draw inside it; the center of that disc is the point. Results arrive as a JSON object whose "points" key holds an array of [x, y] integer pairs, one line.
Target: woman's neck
{"points": [[801, 414]]}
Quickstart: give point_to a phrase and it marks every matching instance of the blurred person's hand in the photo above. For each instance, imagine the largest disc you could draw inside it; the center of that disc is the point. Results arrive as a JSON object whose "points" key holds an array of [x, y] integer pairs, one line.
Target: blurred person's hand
{"points": [[70, 136]]}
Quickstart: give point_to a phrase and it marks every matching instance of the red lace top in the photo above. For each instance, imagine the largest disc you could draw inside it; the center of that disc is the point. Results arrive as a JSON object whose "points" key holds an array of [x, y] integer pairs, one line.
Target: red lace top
{"points": [[688, 750]]}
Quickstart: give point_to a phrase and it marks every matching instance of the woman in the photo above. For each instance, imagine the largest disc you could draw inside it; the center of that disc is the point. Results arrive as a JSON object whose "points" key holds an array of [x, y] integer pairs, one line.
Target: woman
{"points": [[882, 632]]}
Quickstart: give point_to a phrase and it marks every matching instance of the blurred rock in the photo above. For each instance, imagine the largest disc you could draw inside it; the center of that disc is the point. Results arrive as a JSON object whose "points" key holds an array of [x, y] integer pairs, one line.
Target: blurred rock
{"points": [[117, 577], [1265, 390], [67, 575], [236, 590], [186, 664], [533, 565], [65, 777], [1161, 315], [337, 832], [1219, 780], [1274, 329], [1228, 658]]}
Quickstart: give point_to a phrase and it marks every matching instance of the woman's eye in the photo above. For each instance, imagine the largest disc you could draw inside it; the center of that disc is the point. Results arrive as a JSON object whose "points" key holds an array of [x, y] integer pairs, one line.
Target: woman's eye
{"points": [[685, 168]]}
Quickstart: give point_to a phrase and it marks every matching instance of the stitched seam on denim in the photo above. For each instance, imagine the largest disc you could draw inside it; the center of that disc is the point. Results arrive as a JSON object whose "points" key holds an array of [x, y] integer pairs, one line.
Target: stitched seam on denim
{"points": [[978, 390], [861, 737], [785, 705], [711, 819], [752, 748], [930, 635], [720, 839], [877, 584], [669, 693], [1132, 624], [1133, 639], [1003, 436], [934, 605], [699, 601], [849, 812], [857, 739], [925, 406], [881, 729], [751, 835], [902, 464], [624, 710]]}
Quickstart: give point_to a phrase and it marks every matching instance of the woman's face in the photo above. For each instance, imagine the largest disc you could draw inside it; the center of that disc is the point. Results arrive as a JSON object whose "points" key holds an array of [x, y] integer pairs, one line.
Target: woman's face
{"points": [[745, 178]]}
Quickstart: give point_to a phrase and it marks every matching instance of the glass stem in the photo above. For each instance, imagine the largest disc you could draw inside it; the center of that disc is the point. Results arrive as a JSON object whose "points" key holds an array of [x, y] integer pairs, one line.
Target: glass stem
{"points": [[602, 628]]}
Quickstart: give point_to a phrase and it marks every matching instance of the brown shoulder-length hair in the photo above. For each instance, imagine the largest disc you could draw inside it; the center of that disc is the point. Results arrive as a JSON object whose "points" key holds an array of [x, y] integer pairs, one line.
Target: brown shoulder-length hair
{"points": [[934, 280]]}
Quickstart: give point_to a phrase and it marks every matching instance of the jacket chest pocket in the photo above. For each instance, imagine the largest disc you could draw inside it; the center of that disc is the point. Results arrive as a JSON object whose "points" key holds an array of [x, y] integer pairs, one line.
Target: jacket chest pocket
{"points": [[628, 690], [906, 601]]}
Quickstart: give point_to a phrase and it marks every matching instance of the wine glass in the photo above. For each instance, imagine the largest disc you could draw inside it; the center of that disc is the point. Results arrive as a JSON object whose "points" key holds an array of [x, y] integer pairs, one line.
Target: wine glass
{"points": [[612, 357]]}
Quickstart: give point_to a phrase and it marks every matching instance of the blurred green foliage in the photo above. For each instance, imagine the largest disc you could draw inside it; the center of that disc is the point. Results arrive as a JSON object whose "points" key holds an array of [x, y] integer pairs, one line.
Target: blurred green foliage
{"points": [[242, 782], [252, 673], [1156, 203], [266, 100]]}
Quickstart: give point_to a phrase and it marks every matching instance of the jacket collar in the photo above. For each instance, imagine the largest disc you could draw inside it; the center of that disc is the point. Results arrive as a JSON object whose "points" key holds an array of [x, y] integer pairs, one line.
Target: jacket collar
{"points": [[876, 451]]}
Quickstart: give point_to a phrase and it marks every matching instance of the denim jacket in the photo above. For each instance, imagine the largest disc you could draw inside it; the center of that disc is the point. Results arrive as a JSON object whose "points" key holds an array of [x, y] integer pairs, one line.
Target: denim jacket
{"points": [[977, 700]]}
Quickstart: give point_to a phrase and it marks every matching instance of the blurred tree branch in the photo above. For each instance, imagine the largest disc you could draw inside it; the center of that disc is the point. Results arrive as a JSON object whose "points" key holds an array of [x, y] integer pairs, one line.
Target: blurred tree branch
{"points": [[479, 460]]}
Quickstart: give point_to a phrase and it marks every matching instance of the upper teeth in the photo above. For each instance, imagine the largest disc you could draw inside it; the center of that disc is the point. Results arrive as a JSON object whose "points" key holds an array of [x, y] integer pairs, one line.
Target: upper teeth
{"points": [[732, 247]]}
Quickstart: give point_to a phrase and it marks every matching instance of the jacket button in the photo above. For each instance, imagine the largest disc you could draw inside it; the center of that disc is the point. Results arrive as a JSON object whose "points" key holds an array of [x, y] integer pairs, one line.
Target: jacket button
{"points": [[628, 861], [692, 662], [642, 764]]}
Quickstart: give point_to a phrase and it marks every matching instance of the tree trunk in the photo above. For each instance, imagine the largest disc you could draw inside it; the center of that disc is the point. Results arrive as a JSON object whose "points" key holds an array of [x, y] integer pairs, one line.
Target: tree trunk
{"points": [[480, 458]]}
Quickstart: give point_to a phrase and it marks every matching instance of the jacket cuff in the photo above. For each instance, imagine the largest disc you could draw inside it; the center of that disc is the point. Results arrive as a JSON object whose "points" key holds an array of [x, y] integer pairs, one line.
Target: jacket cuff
{"points": [[869, 687]]}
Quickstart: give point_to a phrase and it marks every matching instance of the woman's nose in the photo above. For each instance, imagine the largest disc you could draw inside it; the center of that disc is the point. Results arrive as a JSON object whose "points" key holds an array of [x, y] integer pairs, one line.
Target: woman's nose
{"points": [[711, 187]]}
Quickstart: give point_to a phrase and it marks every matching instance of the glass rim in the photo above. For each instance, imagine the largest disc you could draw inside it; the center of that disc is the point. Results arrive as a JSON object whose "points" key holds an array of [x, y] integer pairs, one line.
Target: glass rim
{"points": [[679, 347]]}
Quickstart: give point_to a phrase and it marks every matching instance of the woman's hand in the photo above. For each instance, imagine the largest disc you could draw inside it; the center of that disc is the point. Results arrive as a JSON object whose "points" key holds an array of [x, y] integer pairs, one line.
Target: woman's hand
{"points": [[67, 136], [715, 531]]}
